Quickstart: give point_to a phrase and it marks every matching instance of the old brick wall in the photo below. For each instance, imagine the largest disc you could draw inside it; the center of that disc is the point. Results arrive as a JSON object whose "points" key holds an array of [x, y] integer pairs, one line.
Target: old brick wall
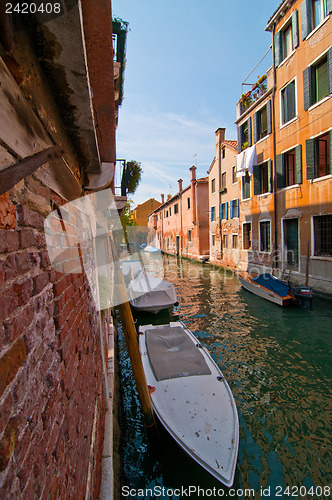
{"points": [[51, 383]]}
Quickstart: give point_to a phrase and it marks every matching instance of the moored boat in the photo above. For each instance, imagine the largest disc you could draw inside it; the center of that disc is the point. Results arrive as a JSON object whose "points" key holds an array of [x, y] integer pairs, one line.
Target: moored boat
{"points": [[150, 294], [191, 397]]}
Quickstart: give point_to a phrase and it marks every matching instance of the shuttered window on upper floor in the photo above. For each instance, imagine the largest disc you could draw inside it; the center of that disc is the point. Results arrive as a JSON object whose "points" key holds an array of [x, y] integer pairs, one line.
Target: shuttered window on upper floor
{"points": [[213, 214], [244, 136], [262, 124], [224, 210], [289, 167], [234, 208], [288, 103], [286, 39], [313, 13], [263, 178], [317, 80], [319, 156]]}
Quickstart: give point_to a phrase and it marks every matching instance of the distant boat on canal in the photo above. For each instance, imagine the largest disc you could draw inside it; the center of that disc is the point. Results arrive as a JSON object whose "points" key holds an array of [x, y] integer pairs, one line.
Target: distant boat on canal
{"points": [[150, 294], [191, 397], [270, 288]]}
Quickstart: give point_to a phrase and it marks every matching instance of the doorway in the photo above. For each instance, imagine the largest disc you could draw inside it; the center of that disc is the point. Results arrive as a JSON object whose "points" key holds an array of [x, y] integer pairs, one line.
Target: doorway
{"points": [[291, 244]]}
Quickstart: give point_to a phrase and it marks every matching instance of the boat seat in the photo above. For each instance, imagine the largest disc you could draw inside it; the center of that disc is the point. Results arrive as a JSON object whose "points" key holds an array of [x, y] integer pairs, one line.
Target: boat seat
{"points": [[172, 354]]}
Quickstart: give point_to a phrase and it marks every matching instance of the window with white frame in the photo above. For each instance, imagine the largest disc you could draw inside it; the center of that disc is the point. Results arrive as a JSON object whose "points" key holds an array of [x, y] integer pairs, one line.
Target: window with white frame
{"points": [[288, 103], [313, 13], [318, 156], [265, 236], [246, 193], [262, 175], [213, 214], [286, 39], [316, 78], [322, 228], [213, 240], [246, 238]]}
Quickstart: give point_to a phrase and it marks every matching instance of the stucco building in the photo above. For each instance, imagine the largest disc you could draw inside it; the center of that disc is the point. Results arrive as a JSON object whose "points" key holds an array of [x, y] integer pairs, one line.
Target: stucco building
{"points": [[182, 221], [141, 212]]}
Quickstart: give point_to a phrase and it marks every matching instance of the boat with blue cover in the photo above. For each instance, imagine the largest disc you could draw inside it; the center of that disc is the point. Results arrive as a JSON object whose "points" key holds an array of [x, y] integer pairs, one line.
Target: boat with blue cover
{"points": [[270, 288]]}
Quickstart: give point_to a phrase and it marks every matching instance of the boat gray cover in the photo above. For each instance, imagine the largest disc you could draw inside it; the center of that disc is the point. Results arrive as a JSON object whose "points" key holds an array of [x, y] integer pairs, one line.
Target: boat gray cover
{"points": [[149, 291], [173, 354]]}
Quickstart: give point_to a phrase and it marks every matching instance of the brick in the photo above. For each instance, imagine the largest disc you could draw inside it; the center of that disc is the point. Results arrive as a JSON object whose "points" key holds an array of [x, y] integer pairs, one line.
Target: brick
{"points": [[27, 238], [44, 260], [6, 408], [60, 286], [9, 240], [28, 217], [23, 291], [8, 443], [40, 282], [17, 325], [24, 262], [7, 212], [8, 303]]}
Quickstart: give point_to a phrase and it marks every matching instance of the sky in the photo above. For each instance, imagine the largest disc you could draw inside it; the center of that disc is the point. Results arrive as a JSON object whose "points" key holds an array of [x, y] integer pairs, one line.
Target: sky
{"points": [[185, 63]]}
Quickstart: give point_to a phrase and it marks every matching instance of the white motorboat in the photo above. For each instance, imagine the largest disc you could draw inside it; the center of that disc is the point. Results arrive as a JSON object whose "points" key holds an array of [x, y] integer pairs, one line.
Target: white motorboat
{"points": [[151, 294], [191, 397]]}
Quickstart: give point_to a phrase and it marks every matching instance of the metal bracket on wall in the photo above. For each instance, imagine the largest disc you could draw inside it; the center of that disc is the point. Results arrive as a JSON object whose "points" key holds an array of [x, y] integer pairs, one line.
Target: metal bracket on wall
{"points": [[13, 174]]}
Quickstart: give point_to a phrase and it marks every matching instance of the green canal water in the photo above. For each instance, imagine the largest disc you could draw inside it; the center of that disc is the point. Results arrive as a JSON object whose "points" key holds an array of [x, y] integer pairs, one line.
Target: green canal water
{"points": [[278, 364]]}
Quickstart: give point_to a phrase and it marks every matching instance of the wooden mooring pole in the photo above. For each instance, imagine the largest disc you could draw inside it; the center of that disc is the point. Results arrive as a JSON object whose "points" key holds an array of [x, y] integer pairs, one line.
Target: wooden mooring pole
{"points": [[130, 334]]}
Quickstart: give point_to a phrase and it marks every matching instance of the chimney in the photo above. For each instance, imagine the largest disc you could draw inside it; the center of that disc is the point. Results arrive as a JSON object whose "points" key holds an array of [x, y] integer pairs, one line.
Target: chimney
{"points": [[193, 192], [162, 198], [220, 135], [180, 185], [169, 197]]}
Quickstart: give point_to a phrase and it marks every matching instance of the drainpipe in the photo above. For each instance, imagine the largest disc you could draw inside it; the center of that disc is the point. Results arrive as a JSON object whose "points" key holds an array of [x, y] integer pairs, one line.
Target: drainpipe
{"points": [[193, 192], [180, 199], [275, 256], [162, 222]]}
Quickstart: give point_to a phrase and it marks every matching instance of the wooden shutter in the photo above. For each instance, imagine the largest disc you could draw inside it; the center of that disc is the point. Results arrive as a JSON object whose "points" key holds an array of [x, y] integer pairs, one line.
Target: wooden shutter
{"points": [[211, 214], [226, 210], [238, 204], [307, 88], [306, 23], [291, 100], [329, 65], [257, 179], [269, 117], [249, 132], [310, 158], [328, 7], [295, 29], [232, 209], [298, 164], [239, 138], [278, 48], [269, 176], [280, 166], [255, 126]]}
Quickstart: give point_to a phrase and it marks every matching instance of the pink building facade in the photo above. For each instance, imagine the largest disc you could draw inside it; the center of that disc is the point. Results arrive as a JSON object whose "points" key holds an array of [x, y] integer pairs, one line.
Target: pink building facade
{"points": [[182, 221]]}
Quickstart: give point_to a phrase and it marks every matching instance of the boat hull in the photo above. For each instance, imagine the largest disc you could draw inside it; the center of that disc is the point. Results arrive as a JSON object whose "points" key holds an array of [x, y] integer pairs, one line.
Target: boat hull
{"points": [[198, 411]]}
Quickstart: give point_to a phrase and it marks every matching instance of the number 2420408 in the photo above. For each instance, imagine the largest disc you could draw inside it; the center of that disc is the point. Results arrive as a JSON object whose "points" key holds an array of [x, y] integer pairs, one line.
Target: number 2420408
{"points": [[32, 8]]}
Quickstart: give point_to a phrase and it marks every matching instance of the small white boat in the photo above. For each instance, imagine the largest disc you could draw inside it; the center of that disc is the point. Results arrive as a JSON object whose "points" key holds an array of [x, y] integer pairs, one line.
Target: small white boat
{"points": [[191, 397], [150, 294], [270, 288]]}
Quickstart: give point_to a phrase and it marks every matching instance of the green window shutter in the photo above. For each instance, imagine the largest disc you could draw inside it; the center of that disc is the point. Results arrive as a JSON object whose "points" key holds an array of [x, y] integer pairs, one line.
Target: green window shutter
{"points": [[329, 65], [330, 151], [307, 88], [298, 163], [269, 175], [291, 104], [269, 117], [249, 132], [239, 138], [278, 48], [255, 126], [310, 158], [328, 7], [306, 23], [257, 179], [280, 165], [295, 29]]}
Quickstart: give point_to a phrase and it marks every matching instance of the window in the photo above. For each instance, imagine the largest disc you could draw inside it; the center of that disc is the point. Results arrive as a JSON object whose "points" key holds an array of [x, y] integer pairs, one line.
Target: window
{"points": [[263, 178], [247, 236], [234, 240], [189, 234], [246, 186], [213, 214], [288, 103], [264, 236], [234, 208], [322, 235], [225, 241], [176, 208], [313, 13], [224, 210], [262, 124], [244, 135], [213, 185], [213, 240], [289, 167], [234, 178], [188, 203], [223, 153], [316, 80], [318, 156], [223, 180], [170, 211], [287, 39]]}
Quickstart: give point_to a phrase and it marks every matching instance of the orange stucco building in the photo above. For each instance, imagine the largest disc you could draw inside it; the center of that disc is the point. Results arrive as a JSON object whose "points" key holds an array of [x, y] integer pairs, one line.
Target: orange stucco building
{"points": [[285, 126], [182, 221], [141, 212]]}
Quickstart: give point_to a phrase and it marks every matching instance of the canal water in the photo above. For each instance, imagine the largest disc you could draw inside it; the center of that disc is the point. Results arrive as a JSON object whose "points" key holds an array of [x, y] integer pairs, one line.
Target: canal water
{"points": [[278, 364]]}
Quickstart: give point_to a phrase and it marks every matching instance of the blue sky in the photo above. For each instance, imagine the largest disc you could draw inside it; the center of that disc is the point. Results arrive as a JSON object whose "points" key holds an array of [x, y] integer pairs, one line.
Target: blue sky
{"points": [[186, 60]]}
